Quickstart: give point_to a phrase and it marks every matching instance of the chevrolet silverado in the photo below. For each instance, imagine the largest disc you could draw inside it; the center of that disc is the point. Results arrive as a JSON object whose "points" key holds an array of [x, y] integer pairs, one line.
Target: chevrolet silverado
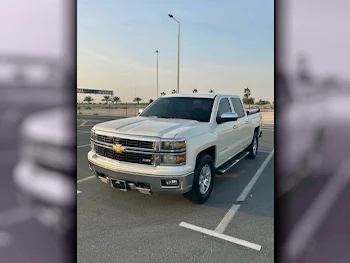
{"points": [[175, 145]]}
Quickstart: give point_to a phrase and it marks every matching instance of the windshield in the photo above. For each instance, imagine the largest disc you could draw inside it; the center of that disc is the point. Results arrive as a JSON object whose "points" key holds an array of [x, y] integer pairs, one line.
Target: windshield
{"points": [[198, 109]]}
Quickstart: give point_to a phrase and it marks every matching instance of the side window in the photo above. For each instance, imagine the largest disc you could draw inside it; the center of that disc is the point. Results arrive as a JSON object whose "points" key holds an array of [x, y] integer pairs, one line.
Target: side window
{"points": [[238, 108], [224, 106]]}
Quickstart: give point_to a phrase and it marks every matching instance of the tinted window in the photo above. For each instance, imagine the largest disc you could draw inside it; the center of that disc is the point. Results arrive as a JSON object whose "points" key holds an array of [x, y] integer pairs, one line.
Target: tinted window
{"points": [[224, 106], [238, 108], [198, 109]]}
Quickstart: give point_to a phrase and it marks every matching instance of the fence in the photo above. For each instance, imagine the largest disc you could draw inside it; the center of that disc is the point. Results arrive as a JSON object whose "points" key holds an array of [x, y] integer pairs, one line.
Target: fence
{"points": [[132, 109], [121, 110]]}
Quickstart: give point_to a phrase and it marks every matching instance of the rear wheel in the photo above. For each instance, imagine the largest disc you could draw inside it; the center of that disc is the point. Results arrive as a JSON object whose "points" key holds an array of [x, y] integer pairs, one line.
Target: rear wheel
{"points": [[203, 180], [253, 147]]}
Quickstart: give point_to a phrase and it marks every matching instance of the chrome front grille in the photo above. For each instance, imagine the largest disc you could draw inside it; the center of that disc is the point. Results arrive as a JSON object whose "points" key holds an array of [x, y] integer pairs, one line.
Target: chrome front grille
{"points": [[135, 143], [125, 142], [130, 157], [135, 151]]}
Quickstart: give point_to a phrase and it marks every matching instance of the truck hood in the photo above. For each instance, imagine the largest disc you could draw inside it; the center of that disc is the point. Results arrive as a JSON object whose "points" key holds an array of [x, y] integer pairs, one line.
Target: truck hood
{"points": [[155, 127]]}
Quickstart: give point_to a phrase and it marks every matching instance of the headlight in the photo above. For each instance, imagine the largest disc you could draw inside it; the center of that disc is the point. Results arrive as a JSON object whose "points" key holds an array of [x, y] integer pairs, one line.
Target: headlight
{"points": [[173, 159], [92, 134], [173, 145]]}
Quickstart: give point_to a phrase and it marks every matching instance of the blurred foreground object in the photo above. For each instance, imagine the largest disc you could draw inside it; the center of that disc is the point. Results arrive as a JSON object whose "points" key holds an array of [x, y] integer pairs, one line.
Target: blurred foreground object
{"points": [[315, 135], [47, 162], [313, 170], [35, 138], [45, 173]]}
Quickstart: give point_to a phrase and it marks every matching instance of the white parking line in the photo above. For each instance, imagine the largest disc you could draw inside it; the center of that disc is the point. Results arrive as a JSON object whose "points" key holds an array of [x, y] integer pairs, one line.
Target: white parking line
{"points": [[221, 236], [218, 232], [227, 218], [84, 145], [255, 178], [86, 126], [78, 192], [86, 178], [82, 132]]}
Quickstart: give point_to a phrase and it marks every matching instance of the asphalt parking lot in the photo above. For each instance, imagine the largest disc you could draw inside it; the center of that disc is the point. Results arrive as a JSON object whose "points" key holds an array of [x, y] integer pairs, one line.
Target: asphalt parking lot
{"points": [[115, 226]]}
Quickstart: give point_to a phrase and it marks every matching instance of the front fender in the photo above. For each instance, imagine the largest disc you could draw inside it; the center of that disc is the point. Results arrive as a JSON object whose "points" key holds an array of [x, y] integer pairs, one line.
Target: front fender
{"points": [[198, 144]]}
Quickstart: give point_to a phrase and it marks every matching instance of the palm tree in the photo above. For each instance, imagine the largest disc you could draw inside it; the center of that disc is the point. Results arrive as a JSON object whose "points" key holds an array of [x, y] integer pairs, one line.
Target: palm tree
{"points": [[247, 96], [211, 91], [106, 99], [137, 99], [116, 100], [174, 91], [195, 91], [88, 99], [162, 94]]}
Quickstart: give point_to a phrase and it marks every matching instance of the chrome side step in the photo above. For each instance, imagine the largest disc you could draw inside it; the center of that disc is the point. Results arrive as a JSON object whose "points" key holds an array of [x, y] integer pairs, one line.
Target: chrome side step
{"points": [[229, 164]]}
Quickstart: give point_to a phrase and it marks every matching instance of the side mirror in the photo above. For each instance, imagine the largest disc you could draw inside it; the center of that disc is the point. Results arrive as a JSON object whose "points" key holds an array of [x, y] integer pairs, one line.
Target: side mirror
{"points": [[227, 117], [140, 111]]}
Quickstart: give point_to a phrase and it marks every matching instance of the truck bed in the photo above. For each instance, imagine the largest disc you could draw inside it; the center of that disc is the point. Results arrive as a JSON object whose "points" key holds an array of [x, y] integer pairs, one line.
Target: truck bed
{"points": [[254, 116]]}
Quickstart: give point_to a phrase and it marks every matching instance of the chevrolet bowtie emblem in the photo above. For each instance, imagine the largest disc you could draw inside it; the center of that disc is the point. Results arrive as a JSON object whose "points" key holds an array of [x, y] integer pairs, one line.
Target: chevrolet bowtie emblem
{"points": [[118, 148]]}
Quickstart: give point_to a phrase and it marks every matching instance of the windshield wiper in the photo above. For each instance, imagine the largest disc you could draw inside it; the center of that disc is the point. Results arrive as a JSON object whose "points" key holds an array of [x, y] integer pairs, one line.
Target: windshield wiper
{"points": [[167, 117]]}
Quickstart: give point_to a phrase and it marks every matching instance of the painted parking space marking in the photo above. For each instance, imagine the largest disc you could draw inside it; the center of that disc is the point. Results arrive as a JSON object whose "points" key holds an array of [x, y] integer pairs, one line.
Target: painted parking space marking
{"points": [[255, 178], [82, 132], [85, 126], [221, 236], [219, 230], [83, 123], [84, 145], [78, 192], [86, 178]]}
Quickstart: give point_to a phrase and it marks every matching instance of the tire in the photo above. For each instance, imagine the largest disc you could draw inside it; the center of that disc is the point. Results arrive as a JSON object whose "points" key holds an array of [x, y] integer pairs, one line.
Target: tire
{"points": [[197, 195], [253, 147]]}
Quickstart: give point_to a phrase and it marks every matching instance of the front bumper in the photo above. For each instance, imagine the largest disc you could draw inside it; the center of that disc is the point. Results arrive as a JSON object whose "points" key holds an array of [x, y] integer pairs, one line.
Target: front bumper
{"points": [[144, 183]]}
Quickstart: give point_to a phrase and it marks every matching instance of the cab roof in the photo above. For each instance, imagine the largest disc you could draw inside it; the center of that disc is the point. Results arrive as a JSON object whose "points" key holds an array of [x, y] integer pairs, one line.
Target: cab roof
{"points": [[200, 95]]}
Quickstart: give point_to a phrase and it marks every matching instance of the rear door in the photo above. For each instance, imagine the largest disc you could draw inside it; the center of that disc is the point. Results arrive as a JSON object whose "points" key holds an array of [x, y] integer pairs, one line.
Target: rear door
{"points": [[244, 129], [227, 136]]}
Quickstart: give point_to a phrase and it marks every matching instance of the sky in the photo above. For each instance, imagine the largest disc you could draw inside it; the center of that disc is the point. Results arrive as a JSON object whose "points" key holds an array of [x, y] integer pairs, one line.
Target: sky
{"points": [[318, 29], [224, 45]]}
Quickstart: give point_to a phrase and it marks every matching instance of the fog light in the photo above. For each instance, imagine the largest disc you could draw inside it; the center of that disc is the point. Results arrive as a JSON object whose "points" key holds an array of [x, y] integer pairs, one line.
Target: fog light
{"points": [[170, 182], [170, 159]]}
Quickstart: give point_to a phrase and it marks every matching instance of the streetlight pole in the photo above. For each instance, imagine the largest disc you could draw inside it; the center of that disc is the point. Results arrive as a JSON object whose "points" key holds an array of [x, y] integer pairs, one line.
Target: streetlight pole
{"points": [[178, 53], [157, 51]]}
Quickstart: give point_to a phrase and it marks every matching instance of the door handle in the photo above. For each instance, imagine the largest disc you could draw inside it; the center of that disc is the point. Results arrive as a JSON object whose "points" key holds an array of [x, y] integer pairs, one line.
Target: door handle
{"points": [[235, 126]]}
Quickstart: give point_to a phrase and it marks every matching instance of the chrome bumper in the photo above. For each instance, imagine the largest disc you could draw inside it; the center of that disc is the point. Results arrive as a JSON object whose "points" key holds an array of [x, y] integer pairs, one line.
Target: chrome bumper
{"points": [[144, 183]]}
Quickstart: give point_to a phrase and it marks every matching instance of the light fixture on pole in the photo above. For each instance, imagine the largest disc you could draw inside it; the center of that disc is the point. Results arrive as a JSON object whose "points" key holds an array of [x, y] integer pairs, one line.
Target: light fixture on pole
{"points": [[178, 53]]}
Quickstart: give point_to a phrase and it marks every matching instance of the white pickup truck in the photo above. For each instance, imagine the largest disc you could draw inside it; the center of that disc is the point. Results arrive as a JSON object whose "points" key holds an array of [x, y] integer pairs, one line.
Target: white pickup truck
{"points": [[176, 145]]}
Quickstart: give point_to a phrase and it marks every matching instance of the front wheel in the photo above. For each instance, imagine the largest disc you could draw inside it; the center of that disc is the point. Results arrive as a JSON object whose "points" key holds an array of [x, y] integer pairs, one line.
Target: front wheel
{"points": [[253, 147], [203, 180]]}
